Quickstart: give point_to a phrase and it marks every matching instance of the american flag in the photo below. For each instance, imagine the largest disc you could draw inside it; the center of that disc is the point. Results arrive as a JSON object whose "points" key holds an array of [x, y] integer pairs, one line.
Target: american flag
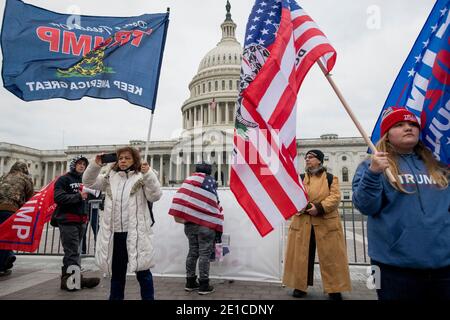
{"points": [[197, 201], [281, 44], [212, 104]]}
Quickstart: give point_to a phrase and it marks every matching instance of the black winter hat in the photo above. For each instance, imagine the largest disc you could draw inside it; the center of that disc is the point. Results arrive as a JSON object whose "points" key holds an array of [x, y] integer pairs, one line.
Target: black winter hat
{"points": [[317, 154], [203, 167], [74, 161]]}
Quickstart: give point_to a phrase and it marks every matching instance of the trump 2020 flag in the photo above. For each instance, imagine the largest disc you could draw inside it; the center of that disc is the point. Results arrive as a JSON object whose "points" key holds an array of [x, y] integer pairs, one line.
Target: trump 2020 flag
{"points": [[22, 231], [423, 84], [281, 44], [51, 55]]}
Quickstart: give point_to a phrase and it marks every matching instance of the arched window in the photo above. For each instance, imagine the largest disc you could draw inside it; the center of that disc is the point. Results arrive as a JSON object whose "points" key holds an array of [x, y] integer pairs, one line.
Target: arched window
{"points": [[344, 174], [216, 86], [223, 84], [209, 86], [231, 85]]}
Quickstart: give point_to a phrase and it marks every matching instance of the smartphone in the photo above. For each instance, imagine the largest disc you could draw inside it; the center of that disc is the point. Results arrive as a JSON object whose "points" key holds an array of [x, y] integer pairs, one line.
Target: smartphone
{"points": [[108, 157]]}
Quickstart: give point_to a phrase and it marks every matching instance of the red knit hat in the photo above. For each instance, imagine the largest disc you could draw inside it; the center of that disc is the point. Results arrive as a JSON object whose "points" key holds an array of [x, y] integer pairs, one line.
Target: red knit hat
{"points": [[394, 115]]}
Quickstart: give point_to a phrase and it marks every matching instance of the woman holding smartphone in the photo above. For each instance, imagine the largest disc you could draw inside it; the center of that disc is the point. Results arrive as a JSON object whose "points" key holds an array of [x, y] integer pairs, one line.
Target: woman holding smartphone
{"points": [[124, 240]]}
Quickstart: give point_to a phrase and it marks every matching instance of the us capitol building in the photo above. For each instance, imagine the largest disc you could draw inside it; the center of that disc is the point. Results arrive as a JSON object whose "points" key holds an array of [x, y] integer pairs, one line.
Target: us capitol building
{"points": [[208, 123]]}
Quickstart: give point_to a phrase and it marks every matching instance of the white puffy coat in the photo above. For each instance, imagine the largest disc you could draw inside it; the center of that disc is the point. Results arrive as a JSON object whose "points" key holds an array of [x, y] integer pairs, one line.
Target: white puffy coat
{"points": [[126, 210]]}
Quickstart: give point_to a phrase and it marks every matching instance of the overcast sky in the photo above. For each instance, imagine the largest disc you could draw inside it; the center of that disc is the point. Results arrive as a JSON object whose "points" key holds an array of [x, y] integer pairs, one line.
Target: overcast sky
{"points": [[372, 39]]}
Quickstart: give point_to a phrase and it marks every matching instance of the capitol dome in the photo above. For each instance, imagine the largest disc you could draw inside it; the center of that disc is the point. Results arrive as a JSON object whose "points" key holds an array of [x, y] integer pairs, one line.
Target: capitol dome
{"points": [[214, 89]]}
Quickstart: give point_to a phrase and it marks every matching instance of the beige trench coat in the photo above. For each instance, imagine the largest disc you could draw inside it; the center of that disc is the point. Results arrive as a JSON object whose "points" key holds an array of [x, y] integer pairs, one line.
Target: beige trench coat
{"points": [[329, 236]]}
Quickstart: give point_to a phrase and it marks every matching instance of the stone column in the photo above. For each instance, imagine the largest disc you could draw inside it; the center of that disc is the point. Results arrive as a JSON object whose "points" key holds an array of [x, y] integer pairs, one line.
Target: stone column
{"points": [[151, 161], [178, 170], [210, 115], [54, 170], [218, 113], [2, 165], [46, 173], [195, 116], [188, 165], [227, 120], [201, 115], [170, 168], [62, 168], [161, 168], [219, 167]]}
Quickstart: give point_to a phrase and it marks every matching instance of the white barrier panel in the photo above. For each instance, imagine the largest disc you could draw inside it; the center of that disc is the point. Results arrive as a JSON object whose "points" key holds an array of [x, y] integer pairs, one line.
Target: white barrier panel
{"points": [[251, 257]]}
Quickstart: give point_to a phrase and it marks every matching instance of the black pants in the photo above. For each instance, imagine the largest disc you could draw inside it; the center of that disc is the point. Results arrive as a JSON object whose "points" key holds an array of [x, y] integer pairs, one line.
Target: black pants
{"points": [[71, 236], [119, 271], [413, 284], [311, 257]]}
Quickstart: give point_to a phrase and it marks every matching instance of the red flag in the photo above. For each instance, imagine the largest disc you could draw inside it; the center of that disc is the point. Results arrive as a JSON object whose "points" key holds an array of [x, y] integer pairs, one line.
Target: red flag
{"points": [[23, 230]]}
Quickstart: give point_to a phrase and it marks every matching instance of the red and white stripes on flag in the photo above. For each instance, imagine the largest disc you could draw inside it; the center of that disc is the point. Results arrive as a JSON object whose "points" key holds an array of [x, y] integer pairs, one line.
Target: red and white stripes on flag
{"points": [[264, 178], [194, 202]]}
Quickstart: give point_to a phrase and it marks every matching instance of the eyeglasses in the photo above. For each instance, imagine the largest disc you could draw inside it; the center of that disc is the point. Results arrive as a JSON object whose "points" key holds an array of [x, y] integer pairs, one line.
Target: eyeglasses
{"points": [[310, 157]]}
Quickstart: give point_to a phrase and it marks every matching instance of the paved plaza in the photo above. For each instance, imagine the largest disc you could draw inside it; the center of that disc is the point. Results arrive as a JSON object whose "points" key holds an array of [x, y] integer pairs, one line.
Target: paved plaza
{"points": [[38, 278]]}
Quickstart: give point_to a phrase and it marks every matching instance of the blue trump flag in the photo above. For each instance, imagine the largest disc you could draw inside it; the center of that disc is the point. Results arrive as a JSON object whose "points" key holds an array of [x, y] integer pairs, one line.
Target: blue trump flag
{"points": [[51, 55], [422, 86]]}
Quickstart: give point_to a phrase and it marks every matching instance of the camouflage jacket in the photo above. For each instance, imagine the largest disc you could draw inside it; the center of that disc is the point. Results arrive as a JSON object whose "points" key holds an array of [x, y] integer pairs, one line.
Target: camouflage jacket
{"points": [[15, 189]]}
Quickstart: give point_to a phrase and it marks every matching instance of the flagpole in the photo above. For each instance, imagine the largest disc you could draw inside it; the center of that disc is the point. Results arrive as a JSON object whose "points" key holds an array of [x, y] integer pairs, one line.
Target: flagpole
{"points": [[156, 89], [148, 136], [352, 115]]}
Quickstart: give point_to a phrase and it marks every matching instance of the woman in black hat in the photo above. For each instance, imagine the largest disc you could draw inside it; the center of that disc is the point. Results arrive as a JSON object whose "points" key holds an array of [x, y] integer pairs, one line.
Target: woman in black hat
{"points": [[318, 224]]}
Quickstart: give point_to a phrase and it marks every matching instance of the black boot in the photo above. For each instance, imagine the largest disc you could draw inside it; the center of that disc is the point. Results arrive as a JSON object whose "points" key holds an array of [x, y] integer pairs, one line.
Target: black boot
{"points": [[205, 288], [89, 282], [298, 293], [64, 279], [191, 284], [9, 262], [336, 296]]}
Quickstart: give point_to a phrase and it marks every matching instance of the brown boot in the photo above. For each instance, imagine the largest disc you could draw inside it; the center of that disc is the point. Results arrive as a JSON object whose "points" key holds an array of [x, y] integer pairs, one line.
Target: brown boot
{"points": [[89, 282]]}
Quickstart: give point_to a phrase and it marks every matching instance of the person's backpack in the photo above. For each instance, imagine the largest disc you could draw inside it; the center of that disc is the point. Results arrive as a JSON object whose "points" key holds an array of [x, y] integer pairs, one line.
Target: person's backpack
{"points": [[329, 178]]}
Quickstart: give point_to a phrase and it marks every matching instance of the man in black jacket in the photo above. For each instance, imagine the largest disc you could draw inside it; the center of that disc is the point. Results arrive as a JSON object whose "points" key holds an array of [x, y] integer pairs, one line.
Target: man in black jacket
{"points": [[71, 218]]}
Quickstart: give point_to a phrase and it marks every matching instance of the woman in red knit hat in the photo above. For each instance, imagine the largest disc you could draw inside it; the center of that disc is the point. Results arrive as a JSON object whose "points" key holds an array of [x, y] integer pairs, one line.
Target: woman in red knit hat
{"points": [[408, 219]]}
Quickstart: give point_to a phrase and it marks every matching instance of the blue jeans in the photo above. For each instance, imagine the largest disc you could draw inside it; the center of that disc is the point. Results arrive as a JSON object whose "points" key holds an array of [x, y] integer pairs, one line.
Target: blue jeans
{"points": [[119, 272], [413, 284], [5, 254]]}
